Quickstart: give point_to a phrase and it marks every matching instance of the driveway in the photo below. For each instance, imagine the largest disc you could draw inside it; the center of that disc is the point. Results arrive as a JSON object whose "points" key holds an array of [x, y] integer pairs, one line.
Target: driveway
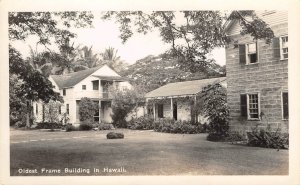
{"points": [[139, 153]]}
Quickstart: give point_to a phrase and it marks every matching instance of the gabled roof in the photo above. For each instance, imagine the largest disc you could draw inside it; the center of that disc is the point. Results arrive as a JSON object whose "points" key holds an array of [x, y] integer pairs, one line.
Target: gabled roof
{"points": [[115, 78], [71, 79], [183, 88]]}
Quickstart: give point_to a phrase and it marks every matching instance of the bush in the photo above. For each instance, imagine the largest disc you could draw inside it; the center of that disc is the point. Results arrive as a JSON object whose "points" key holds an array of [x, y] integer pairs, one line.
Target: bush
{"points": [[105, 126], [48, 125], [69, 128], [115, 135], [234, 136], [87, 109], [85, 126], [141, 123], [268, 139], [180, 127]]}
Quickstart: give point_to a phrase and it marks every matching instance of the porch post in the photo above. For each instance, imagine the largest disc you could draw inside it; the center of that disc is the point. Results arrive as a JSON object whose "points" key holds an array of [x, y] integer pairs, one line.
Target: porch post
{"points": [[172, 116], [99, 111], [154, 110], [146, 108], [195, 113]]}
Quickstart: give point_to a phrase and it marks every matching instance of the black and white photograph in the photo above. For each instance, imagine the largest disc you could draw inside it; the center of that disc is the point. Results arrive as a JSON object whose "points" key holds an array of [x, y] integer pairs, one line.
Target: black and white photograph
{"points": [[174, 92]]}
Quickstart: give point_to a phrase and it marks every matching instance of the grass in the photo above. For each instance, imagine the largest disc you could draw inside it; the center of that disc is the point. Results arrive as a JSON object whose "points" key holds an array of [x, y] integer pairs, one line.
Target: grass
{"points": [[140, 153]]}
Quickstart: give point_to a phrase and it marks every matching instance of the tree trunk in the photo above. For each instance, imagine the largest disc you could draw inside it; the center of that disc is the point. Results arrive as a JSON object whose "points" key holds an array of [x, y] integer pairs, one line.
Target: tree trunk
{"points": [[28, 114]]}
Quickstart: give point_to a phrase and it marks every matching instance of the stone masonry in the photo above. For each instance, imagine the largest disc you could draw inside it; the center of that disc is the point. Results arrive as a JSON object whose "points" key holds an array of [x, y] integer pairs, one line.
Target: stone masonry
{"points": [[268, 78]]}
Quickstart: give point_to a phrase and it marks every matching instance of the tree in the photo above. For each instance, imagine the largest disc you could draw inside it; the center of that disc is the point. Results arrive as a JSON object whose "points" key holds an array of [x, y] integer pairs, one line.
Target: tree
{"points": [[46, 25], [194, 37], [87, 109], [212, 102], [156, 71], [124, 102], [40, 61], [34, 86], [87, 57], [111, 58]]}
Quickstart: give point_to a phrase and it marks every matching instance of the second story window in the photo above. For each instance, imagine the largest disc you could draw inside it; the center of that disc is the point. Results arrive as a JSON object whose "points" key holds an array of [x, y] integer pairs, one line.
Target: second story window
{"points": [[64, 92], [95, 85], [83, 87], [284, 50], [248, 53]]}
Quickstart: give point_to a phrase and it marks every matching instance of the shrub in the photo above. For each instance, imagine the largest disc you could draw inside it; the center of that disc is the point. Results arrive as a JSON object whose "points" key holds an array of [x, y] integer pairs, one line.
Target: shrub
{"points": [[85, 126], [87, 109], [69, 128], [114, 135], [214, 105], [234, 136], [268, 139], [48, 125], [124, 102], [181, 127], [106, 126], [141, 123]]}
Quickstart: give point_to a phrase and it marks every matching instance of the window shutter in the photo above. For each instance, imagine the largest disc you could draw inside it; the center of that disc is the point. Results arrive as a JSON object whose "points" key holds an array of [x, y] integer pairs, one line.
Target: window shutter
{"points": [[276, 48], [244, 105], [285, 102], [242, 53]]}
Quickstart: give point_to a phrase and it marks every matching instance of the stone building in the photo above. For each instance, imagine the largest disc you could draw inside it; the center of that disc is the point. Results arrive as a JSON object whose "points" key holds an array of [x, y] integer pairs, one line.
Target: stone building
{"points": [[257, 76]]}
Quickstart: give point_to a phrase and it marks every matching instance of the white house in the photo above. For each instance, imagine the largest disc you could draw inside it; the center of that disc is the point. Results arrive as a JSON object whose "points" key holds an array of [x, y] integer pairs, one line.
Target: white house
{"points": [[92, 83], [172, 100]]}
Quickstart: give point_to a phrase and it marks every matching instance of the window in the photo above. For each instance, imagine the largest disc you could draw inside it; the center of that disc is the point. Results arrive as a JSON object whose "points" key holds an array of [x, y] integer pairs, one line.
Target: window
{"points": [[248, 53], [96, 116], [67, 109], [95, 85], [160, 110], [285, 105], [250, 106], [59, 109], [253, 106], [36, 109], [83, 87], [284, 50], [64, 92]]}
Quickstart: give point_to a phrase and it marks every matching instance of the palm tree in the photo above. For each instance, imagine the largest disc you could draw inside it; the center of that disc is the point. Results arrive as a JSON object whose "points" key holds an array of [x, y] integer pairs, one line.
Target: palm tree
{"points": [[67, 60], [40, 61], [87, 57], [111, 58]]}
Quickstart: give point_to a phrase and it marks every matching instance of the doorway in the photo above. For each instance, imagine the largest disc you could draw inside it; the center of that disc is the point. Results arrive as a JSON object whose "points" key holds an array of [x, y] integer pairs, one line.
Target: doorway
{"points": [[175, 111]]}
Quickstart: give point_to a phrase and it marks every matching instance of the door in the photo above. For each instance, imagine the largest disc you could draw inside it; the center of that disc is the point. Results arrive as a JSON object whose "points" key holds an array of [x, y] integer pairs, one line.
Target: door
{"points": [[175, 111]]}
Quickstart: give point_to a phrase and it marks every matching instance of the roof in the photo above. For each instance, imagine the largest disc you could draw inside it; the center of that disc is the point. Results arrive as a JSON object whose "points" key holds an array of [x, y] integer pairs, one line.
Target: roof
{"points": [[116, 78], [183, 88], [71, 79]]}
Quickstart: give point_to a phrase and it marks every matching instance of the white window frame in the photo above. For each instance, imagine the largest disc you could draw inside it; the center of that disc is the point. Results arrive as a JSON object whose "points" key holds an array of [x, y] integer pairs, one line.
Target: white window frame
{"points": [[247, 53], [281, 48], [281, 96], [248, 106]]}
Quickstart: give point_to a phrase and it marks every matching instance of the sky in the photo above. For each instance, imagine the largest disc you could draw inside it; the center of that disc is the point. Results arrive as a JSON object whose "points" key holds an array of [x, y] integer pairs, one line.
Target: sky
{"points": [[105, 33]]}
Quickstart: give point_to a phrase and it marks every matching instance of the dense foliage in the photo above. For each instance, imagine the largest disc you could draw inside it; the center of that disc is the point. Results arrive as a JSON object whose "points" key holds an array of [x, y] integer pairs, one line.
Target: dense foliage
{"points": [[155, 71], [48, 125], [124, 102], [213, 103], [87, 109], [167, 125], [194, 36], [268, 139]]}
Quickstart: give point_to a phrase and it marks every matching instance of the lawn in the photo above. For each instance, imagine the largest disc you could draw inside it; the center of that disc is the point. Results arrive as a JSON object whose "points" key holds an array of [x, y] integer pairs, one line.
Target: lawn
{"points": [[140, 153]]}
